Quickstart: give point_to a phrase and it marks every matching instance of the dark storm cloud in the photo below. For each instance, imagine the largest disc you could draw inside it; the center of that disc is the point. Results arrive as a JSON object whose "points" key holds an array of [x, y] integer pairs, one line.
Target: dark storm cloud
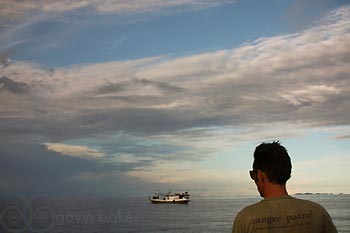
{"points": [[4, 58], [13, 86], [111, 87], [33, 169]]}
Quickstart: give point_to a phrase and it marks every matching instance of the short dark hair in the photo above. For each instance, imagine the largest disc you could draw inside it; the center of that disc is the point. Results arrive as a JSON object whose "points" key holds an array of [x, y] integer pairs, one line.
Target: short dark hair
{"points": [[273, 159]]}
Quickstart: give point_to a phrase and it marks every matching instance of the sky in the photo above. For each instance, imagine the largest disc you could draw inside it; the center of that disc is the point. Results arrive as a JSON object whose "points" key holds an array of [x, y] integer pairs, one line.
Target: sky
{"points": [[116, 97]]}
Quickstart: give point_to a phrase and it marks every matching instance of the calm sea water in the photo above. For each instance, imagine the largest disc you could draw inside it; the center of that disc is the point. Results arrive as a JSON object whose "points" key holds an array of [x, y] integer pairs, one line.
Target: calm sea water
{"points": [[107, 215]]}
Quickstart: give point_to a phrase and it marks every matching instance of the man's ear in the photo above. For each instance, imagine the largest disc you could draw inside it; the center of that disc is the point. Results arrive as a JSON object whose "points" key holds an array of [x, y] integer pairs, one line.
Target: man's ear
{"points": [[258, 176], [262, 176]]}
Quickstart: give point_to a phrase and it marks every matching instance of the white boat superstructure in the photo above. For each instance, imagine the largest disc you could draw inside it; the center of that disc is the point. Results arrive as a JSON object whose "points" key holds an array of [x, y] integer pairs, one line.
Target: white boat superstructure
{"points": [[169, 198]]}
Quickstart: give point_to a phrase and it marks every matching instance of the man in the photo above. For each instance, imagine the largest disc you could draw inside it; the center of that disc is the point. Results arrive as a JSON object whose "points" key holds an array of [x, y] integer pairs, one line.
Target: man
{"points": [[278, 212]]}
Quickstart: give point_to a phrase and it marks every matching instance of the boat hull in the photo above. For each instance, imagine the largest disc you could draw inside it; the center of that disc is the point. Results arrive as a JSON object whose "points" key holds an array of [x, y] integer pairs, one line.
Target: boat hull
{"points": [[160, 201]]}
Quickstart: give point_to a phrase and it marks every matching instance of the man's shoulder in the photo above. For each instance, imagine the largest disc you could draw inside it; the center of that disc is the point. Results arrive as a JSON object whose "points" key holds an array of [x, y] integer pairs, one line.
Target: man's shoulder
{"points": [[247, 210], [270, 204], [305, 203]]}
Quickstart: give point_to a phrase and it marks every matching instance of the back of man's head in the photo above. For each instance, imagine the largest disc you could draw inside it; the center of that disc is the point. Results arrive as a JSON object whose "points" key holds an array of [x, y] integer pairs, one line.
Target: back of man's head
{"points": [[273, 159]]}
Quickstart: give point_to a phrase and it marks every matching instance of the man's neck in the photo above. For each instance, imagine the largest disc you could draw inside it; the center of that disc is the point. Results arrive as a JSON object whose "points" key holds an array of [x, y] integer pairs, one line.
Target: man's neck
{"points": [[275, 190]]}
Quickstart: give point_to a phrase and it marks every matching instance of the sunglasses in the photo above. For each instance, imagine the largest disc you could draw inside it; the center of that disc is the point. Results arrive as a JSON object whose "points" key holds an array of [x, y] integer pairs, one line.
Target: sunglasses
{"points": [[253, 174]]}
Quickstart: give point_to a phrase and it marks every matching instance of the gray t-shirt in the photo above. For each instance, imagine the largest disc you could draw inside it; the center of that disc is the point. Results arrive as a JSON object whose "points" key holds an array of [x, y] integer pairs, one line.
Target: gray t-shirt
{"points": [[283, 215]]}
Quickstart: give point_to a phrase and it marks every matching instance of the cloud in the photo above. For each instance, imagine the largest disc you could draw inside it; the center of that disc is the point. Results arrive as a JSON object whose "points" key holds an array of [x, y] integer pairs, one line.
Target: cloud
{"points": [[317, 93], [341, 137], [288, 78], [32, 169], [177, 173], [130, 158], [117, 43], [13, 86], [16, 9], [298, 13], [72, 150], [137, 87], [163, 110]]}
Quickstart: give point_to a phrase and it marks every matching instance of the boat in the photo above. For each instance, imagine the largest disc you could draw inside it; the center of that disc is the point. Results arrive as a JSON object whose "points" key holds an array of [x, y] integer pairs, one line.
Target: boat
{"points": [[169, 198]]}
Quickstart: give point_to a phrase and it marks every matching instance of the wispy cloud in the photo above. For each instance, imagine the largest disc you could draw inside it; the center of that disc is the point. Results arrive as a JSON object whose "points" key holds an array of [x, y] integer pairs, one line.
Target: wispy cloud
{"points": [[340, 137], [73, 150], [119, 42], [17, 9]]}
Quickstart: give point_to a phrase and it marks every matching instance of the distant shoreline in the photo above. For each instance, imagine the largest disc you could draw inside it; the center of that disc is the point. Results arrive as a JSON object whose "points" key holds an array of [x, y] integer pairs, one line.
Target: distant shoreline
{"points": [[319, 194]]}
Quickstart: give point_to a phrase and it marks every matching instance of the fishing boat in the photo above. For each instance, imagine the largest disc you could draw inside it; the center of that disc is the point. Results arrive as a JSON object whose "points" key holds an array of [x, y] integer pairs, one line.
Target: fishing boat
{"points": [[170, 198]]}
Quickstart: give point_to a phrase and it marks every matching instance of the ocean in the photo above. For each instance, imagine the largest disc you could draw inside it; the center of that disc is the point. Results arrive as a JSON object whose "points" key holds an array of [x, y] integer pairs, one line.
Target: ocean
{"points": [[114, 215]]}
